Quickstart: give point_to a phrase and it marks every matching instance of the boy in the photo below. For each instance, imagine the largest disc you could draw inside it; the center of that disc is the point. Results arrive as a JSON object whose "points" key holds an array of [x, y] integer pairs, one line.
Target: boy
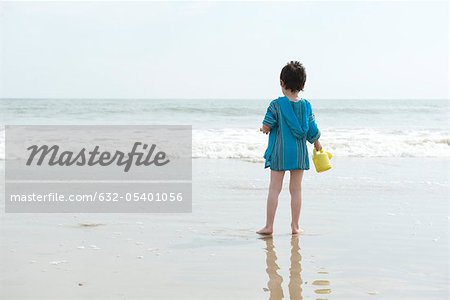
{"points": [[291, 123]]}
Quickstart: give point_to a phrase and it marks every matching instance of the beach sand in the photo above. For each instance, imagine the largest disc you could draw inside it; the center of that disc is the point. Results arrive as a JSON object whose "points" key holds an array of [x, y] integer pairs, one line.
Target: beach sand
{"points": [[375, 228]]}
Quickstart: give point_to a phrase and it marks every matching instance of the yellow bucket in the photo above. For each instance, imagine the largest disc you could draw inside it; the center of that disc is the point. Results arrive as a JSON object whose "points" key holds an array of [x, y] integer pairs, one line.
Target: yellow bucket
{"points": [[321, 160]]}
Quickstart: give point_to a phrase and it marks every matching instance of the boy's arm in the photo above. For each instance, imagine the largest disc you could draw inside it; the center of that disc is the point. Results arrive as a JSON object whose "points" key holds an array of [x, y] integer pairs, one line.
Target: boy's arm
{"points": [[317, 145], [270, 119], [313, 133]]}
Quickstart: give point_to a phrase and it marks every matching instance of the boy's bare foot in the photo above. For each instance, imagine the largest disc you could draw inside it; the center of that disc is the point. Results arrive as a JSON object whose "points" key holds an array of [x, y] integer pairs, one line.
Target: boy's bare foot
{"points": [[296, 230], [265, 231]]}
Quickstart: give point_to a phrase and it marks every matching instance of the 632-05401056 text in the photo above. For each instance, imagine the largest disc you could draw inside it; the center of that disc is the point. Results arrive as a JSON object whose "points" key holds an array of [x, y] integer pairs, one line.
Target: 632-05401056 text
{"points": [[98, 196]]}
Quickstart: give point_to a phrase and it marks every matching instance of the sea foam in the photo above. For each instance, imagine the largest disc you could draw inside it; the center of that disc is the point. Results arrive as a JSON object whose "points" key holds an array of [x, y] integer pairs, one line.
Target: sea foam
{"points": [[249, 144]]}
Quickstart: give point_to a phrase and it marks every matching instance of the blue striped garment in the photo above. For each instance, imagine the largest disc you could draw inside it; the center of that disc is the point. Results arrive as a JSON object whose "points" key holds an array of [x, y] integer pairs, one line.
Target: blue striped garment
{"points": [[291, 125]]}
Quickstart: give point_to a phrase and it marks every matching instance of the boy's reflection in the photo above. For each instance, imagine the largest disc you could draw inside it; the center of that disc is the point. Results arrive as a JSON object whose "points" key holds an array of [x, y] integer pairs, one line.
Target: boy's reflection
{"points": [[275, 280], [295, 279]]}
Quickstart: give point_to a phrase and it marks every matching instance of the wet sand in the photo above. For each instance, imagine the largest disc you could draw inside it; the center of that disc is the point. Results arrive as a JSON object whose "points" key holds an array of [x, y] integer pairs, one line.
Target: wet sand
{"points": [[374, 229]]}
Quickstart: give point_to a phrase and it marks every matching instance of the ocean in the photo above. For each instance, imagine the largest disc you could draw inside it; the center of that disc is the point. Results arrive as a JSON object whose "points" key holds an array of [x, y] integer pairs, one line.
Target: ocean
{"points": [[229, 129]]}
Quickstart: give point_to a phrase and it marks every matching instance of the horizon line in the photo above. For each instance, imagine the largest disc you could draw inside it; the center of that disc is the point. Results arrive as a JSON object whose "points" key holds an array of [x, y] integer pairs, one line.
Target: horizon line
{"points": [[142, 98]]}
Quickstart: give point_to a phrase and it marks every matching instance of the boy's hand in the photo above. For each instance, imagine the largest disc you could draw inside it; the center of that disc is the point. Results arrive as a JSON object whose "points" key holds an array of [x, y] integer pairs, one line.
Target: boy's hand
{"points": [[265, 129], [317, 145]]}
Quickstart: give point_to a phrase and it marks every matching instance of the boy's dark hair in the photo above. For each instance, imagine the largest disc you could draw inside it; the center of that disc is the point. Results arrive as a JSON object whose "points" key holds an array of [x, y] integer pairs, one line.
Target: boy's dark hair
{"points": [[294, 76]]}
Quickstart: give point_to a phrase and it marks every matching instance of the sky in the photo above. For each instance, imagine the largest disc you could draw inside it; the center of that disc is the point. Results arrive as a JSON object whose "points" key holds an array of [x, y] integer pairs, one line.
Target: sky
{"points": [[219, 50]]}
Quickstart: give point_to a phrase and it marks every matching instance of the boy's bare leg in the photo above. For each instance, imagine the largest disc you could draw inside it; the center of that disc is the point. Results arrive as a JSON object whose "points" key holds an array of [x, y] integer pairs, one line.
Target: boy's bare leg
{"points": [[295, 188], [276, 183]]}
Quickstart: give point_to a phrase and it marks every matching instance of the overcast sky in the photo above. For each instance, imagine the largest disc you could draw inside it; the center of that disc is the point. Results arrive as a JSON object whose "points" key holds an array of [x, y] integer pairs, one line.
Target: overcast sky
{"points": [[223, 49]]}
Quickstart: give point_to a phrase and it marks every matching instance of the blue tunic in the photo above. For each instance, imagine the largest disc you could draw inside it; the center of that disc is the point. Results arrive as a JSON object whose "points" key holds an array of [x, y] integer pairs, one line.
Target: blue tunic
{"points": [[291, 125]]}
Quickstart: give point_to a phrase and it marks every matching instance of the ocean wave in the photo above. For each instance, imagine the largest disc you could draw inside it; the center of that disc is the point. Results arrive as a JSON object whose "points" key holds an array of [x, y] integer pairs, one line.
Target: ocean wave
{"points": [[249, 144]]}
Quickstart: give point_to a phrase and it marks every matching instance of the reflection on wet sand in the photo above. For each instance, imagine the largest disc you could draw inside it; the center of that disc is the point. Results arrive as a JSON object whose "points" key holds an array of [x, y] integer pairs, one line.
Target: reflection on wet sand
{"points": [[275, 279], [295, 279]]}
